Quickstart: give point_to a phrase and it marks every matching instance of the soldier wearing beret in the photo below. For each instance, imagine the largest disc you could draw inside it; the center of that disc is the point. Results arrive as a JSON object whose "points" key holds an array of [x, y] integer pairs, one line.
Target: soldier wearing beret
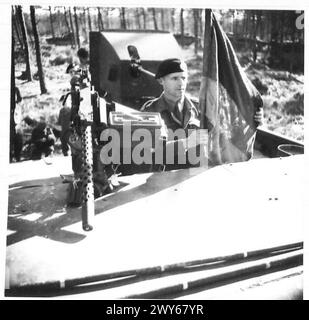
{"points": [[177, 110]]}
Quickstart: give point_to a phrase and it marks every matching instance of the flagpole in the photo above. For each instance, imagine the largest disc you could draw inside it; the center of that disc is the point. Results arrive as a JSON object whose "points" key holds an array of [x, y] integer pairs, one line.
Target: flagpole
{"points": [[206, 51]]}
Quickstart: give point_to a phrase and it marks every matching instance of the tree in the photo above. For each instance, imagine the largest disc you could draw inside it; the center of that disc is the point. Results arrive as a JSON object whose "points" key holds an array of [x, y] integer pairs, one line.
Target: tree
{"points": [[37, 50], [51, 22], [106, 17], [15, 27], [162, 19], [89, 19], [123, 23], [196, 24], [100, 21], [155, 24], [85, 23], [144, 19], [138, 22], [76, 27], [13, 101], [72, 27], [20, 14], [182, 27], [173, 20], [71, 33]]}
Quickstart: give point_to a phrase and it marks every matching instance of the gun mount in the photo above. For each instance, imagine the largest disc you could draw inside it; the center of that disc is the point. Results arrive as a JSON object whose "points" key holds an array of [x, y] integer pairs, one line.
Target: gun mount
{"points": [[111, 66]]}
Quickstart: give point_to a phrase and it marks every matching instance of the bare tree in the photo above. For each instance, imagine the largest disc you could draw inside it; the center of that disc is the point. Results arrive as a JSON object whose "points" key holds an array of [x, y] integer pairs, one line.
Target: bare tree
{"points": [[71, 33], [123, 23], [162, 19], [13, 101], [85, 24], [76, 27], [89, 19], [15, 27], [37, 51], [106, 17], [173, 20], [182, 27], [51, 22], [196, 24], [20, 14], [154, 18], [100, 21], [144, 19], [72, 27], [137, 20], [59, 21]]}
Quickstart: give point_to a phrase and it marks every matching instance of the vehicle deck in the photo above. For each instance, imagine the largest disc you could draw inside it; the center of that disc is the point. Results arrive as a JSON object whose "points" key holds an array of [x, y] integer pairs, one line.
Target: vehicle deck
{"points": [[152, 222]]}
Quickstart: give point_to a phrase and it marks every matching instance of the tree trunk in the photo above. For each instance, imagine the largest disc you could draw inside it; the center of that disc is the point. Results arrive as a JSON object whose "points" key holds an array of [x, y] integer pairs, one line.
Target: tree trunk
{"points": [[89, 20], [144, 19], [85, 24], [182, 28], [13, 101], [100, 21], [201, 32], [16, 28], [137, 20], [106, 16], [76, 27], [173, 20], [37, 50], [25, 41], [162, 19], [72, 27], [123, 23], [51, 22], [196, 22], [153, 10], [68, 27], [59, 21]]}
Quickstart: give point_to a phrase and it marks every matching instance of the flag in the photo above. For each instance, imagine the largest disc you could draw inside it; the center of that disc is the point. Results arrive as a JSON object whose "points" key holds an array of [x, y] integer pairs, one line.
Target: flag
{"points": [[228, 100]]}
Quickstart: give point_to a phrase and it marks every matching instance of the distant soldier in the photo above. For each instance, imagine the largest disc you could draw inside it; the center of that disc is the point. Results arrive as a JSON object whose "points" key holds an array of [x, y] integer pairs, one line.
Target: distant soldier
{"points": [[83, 56], [42, 139]]}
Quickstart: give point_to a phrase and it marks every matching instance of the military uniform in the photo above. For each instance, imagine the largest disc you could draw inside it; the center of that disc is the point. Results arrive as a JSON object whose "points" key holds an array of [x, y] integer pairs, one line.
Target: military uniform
{"points": [[187, 119], [173, 120]]}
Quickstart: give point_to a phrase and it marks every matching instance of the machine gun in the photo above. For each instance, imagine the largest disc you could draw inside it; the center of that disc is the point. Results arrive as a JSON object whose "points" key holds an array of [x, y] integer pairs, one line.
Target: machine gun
{"points": [[89, 118], [115, 79]]}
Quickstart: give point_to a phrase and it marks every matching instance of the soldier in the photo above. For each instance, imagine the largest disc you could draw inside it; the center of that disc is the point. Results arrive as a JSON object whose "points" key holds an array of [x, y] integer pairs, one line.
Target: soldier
{"points": [[83, 56], [42, 138], [176, 109]]}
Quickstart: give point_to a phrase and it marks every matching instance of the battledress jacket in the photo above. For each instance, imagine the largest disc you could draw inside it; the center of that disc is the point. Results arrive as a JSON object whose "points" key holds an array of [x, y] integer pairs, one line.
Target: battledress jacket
{"points": [[188, 120], [190, 113]]}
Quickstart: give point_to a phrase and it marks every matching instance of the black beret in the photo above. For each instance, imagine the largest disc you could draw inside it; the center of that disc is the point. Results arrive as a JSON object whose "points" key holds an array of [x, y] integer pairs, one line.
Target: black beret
{"points": [[170, 66]]}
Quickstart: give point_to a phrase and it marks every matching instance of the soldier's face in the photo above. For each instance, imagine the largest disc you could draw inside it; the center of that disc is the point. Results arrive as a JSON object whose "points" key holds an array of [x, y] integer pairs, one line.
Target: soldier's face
{"points": [[174, 85]]}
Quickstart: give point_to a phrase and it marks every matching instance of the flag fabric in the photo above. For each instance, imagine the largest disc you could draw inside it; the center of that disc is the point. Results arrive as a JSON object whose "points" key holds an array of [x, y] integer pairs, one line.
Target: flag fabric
{"points": [[228, 100]]}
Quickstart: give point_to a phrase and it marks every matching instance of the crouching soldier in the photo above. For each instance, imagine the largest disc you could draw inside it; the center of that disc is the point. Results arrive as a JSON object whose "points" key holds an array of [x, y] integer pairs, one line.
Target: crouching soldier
{"points": [[42, 139]]}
